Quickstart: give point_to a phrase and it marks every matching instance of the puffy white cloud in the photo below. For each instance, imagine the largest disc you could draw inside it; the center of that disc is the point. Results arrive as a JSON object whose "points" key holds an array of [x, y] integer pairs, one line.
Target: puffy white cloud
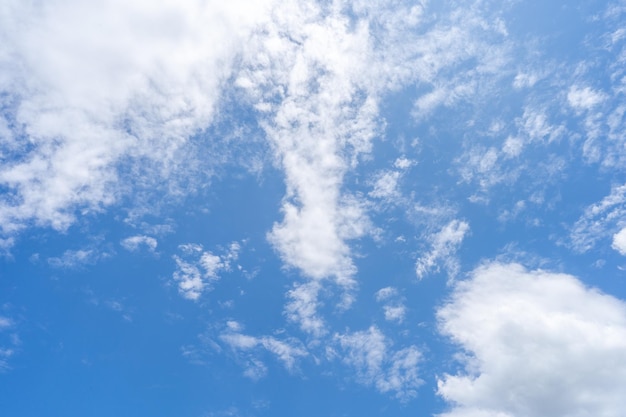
{"points": [[369, 353], [534, 343], [619, 241], [584, 98], [134, 243], [444, 245]]}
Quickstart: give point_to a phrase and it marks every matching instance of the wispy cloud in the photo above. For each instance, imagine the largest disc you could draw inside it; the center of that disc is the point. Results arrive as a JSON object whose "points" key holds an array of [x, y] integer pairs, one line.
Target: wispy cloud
{"points": [[71, 259], [369, 353], [198, 269], [393, 304], [444, 245], [288, 351], [9, 341], [600, 220], [135, 243]]}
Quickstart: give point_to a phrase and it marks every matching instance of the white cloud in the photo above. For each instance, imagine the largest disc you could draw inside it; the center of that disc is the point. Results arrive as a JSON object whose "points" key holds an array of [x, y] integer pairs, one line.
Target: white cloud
{"points": [[318, 91], [369, 353], [524, 80], [83, 102], [92, 106], [9, 341], [393, 304], [5, 323], [444, 245], [75, 258], [535, 344], [619, 241], [386, 293], [599, 220], [287, 351], [302, 307], [584, 98], [386, 185], [135, 243], [197, 270]]}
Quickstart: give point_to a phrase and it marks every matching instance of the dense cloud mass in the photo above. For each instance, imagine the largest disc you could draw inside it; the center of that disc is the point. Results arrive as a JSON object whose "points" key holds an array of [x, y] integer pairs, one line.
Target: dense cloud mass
{"points": [[536, 344]]}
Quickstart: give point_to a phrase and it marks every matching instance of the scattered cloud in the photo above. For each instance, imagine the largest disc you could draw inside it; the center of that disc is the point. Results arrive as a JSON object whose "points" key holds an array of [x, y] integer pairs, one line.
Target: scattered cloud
{"points": [[584, 98], [197, 270], [9, 342], [534, 343], [599, 220], [393, 304], [369, 353], [287, 351], [135, 243], [72, 259], [444, 245]]}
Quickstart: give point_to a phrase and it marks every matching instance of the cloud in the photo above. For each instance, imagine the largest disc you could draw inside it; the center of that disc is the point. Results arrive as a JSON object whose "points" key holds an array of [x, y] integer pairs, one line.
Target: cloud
{"points": [[9, 342], [599, 220], [302, 306], [444, 245], [393, 304], [584, 98], [78, 105], [87, 119], [76, 258], [135, 243], [287, 351], [369, 353], [5, 323], [317, 92], [534, 343], [619, 241], [385, 184], [197, 270]]}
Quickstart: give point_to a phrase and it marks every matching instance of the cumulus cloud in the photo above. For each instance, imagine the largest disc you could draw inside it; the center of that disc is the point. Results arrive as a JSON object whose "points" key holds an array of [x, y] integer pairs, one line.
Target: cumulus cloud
{"points": [[197, 270], [534, 343], [444, 245], [369, 352]]}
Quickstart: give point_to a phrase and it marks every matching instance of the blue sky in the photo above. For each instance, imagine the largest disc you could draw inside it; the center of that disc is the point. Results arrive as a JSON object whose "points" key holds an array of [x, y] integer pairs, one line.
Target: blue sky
{"points": [[312, 208]]}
